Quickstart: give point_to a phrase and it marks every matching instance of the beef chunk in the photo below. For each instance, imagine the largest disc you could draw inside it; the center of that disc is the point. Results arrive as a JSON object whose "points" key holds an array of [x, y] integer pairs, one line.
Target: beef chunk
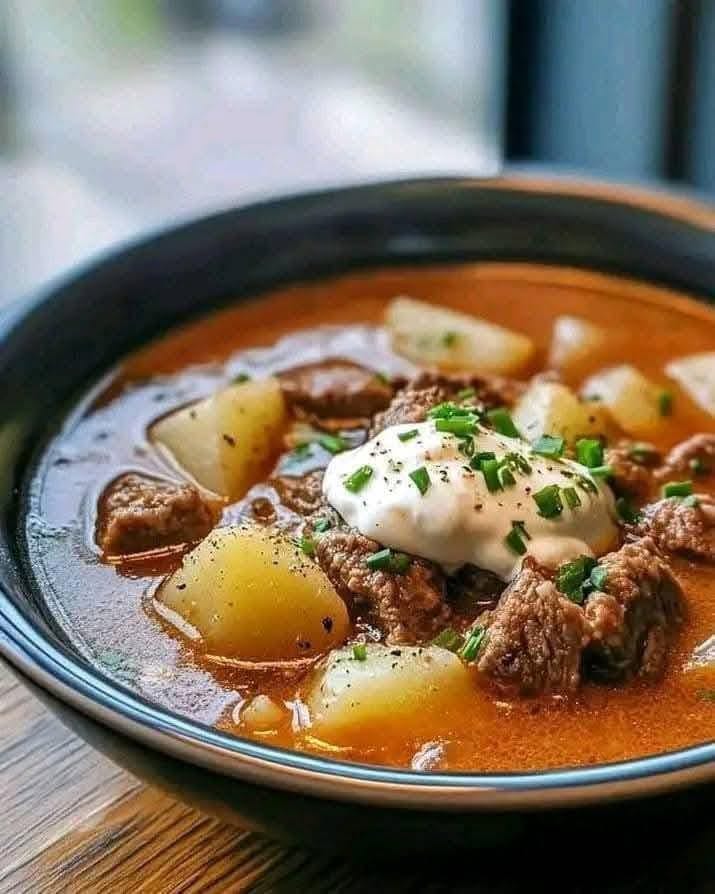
{"points": [[535, 636], [335, 389], [427, 389], [301, 494], [693, 457], [631, 617], [679, 526], [408, 608], [138, 514], [633, 469]]}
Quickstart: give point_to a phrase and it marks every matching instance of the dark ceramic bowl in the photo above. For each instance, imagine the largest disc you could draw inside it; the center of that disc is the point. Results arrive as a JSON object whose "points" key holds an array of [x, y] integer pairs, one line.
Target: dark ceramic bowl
{"points": [[55, 346]]}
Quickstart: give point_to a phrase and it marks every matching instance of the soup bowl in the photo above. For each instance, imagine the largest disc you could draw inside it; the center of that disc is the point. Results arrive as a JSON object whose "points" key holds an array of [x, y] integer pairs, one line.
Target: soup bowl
{"points": [[56, 345]]}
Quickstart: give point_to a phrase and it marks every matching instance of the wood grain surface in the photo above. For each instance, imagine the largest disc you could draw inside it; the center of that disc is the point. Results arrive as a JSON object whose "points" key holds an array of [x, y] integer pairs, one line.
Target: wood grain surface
{"points": [[71, 821]]}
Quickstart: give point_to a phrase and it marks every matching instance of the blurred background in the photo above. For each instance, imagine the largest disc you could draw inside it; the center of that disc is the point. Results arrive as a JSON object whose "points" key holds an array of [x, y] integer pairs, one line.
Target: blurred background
{"points": [[117, 116]]}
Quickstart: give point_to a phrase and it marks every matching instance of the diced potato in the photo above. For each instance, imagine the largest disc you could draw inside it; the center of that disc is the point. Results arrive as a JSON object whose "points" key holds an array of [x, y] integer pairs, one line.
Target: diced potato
{"points": [[388, 687], [549, 408], [446, 338], [696, 376], [224, 441], [573, 340], [253, 595], [634, 401]]}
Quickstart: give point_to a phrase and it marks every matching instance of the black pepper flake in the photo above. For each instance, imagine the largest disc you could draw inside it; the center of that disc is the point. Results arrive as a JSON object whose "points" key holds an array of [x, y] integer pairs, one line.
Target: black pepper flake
{"points": [[181, 586], [231, 441]]}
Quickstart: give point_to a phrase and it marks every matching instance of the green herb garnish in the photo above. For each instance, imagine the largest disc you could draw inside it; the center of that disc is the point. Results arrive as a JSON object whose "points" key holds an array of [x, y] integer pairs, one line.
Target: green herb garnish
{"points": [[589, 452], [333, 443], [466, 393], [626, 511], [358, 479], [514, 542], [571, 576], [462, 426], [386, 560], [408, 435], [360, 652], [598, 577], [321, 525], [449, 339], [548, 499], [570, 494], [678, 489], [502, 422], [601, 471], [306, 545], [240, 378], [473, 644], [449, 639], [421, 479], [665, 403], [490, 469], [549, 446]]}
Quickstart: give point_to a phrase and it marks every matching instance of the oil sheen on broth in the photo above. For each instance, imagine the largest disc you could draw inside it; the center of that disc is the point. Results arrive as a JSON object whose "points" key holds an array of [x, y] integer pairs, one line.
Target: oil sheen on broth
{"points": [[111, 616]]}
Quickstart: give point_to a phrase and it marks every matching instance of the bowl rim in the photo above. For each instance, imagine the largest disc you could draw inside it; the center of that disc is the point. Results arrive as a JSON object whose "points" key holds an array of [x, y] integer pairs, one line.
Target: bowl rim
{"points": [[67, 677]]}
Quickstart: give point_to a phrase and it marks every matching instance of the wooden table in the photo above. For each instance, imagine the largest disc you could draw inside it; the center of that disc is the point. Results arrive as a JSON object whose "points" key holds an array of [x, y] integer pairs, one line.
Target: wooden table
{"points": [[71, 821]]}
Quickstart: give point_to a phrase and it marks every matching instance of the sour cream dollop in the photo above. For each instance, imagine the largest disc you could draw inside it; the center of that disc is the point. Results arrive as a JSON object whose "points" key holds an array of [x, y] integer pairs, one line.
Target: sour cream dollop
{"points": [[457, 520]]}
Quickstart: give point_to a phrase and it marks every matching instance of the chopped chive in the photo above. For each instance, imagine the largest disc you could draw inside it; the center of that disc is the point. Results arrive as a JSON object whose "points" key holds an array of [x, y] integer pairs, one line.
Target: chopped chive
{"points": [[421, 479], [586, 484], [240, 378], [514, 542], [665, 403], [462, 426], [359, 478], [399, 563], [571, 576], [699, 466], [382, 378], [449, 339], [300, 451], [626, 511], [480, 457], [692, 501], [571, 496], [517, 461], [490, 469], [471, 648], [466, 393], [466, 447], [449, 639], [549, 446], [589, 452], [306, 545], [522, 528], [446, 410], [408, 435], [321, 525], [360, 652], [548, 499], [506, 477], [380, 560], [598, 577], [502, 422], [601, 471], [333, 443], [678, 489]]}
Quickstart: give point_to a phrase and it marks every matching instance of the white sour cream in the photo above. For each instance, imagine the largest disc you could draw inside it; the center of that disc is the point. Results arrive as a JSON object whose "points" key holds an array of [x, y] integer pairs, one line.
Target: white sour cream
{"points": [[457, 520]]}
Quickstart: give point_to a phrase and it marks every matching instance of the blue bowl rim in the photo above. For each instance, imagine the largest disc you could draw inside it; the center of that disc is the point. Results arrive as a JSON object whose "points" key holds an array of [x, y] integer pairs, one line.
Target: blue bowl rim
{"points": [[63, 674]]}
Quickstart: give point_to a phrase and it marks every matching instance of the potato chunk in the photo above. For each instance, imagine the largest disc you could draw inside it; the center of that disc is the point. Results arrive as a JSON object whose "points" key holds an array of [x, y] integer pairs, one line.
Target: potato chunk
{"points": [[388, 687], [633, 400], [696, 376], [224, 441], [573, 340], [253, 595], [448, 339], [549, 408]]}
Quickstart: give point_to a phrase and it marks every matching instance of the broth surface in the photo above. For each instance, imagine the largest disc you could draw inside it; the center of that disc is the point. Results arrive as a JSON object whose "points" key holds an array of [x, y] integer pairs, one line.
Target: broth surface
{"points": [[107, 610]]}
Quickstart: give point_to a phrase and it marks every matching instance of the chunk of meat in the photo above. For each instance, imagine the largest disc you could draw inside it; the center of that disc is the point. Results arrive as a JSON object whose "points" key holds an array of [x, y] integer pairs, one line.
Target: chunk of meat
{"points": [[682, 526], [427, 389], [633, 469], [534, 637], [335, 389], [138, 513], [408, 608], [695, 456], [632, 616], [302, 494]]}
